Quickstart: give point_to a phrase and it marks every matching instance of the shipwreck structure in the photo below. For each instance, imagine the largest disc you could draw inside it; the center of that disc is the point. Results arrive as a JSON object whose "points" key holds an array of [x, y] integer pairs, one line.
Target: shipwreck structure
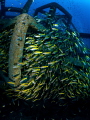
{"points": [[41, 52]]}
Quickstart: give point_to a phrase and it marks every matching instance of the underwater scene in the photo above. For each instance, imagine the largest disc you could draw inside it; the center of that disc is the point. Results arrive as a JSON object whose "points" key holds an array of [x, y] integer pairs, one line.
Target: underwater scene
{"points": [[44, 60]]}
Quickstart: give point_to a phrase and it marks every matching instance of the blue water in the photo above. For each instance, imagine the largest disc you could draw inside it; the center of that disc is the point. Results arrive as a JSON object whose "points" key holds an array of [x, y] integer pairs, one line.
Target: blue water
{"points": [[79, 9]]}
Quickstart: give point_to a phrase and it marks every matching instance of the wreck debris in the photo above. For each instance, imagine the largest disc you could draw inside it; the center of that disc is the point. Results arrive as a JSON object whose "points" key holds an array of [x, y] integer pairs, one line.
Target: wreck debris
{"points": [[23, 22], [56, 62], [14, 9], [27, 6], [53, 6]]}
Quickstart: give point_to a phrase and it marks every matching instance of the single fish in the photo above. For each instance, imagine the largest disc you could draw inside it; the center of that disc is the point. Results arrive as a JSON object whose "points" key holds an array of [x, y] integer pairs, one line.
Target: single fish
{"points": [[38, 52]]}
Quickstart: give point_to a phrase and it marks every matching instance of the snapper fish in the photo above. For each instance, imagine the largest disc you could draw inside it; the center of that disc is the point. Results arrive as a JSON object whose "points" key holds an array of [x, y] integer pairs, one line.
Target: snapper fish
{"points": [[56, 25], [37, 52], [37, 36]]}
